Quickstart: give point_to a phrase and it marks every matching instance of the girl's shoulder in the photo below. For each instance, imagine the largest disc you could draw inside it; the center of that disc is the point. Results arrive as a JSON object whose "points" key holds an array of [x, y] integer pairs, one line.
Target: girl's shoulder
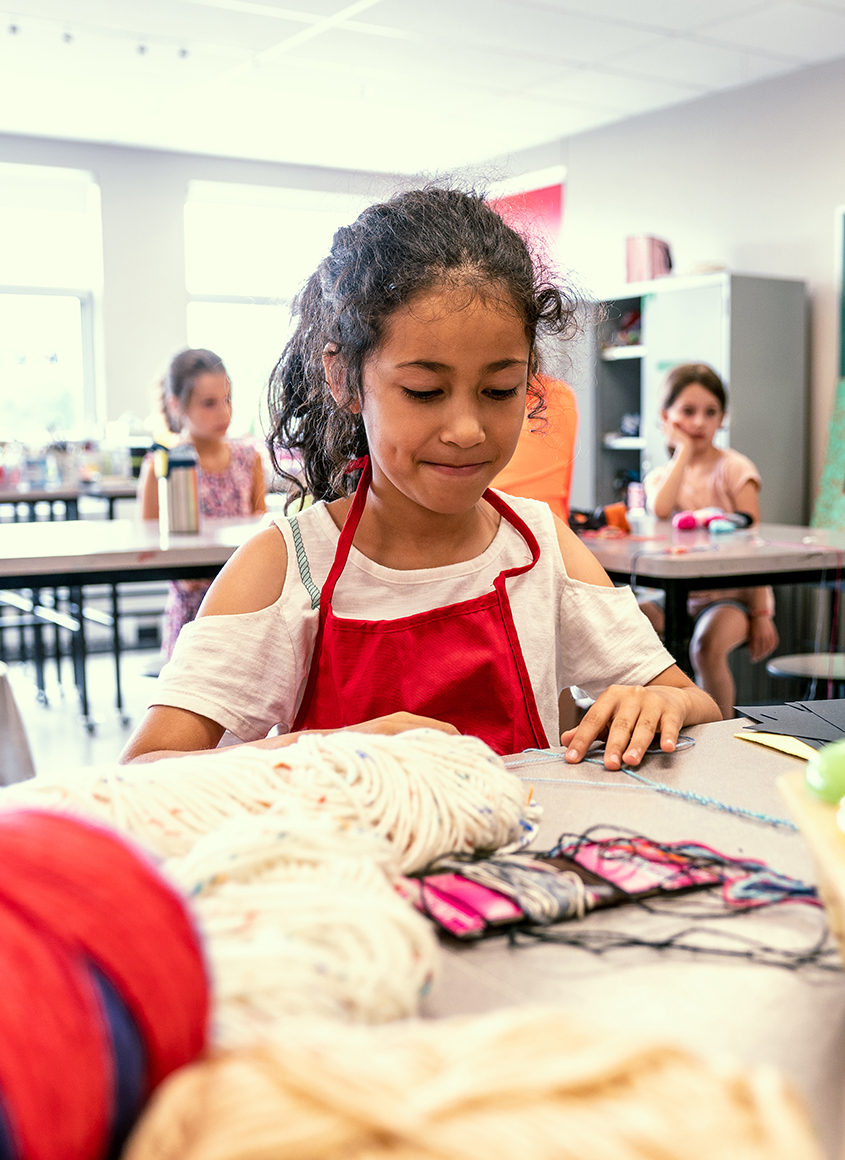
{"points": [[244, 451], [736, 467]]}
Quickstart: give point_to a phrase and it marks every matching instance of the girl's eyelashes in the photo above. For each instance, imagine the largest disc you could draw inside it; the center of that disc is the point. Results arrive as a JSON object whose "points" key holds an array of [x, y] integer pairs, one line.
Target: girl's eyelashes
{"points": [[494, 393], [421, 396]]}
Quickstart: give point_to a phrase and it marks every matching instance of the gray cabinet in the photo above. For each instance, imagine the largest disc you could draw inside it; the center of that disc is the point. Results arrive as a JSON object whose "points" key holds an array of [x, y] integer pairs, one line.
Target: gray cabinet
{"points": [[752, 330]]}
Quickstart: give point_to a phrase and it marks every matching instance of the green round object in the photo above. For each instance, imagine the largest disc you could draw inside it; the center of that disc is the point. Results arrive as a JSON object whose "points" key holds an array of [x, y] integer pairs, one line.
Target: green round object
{"points": [[826, 772]]}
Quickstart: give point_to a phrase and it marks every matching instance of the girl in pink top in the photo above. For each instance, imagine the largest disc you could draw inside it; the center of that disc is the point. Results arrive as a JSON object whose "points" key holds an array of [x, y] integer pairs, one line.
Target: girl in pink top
{"points": [[700, 475]]}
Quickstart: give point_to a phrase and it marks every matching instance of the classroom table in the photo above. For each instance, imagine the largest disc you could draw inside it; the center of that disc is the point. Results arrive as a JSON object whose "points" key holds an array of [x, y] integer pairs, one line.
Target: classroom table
{"points": [[681, 562], [793, 1020], [74, 553], [68, 495]]}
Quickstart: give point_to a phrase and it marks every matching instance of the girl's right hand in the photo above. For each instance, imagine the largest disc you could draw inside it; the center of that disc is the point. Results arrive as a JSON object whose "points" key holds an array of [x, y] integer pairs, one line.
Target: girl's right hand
{"points": [[389, 726], [677, 439]]}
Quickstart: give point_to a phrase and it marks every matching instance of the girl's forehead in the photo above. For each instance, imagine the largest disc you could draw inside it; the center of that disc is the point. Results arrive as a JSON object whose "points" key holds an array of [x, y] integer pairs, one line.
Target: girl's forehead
{"points": [[212, 382], [696, 394], [443, 315]]}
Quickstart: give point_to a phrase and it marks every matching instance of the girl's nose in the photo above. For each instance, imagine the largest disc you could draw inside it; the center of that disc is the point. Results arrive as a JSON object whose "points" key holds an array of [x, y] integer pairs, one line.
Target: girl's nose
{"points": [[463, 427]]}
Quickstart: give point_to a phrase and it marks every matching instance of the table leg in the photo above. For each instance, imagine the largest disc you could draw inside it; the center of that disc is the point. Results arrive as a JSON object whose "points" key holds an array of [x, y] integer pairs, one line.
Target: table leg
{"points": [[80, 654], [678, 630], [38, 647], [116, 646]]}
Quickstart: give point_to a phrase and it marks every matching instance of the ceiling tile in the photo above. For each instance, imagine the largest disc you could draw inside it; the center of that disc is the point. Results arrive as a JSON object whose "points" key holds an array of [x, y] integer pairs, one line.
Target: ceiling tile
{"points": [[702, 63], [519, 28], [787, 28], [420, 62], [668, 15], [614, 91]]}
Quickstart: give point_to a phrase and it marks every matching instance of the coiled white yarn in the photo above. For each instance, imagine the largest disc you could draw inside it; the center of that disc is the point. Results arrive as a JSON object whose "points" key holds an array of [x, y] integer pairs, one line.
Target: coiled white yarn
{"points": [[428, 792], [291, 855], [300, 918], [518, 1082]]}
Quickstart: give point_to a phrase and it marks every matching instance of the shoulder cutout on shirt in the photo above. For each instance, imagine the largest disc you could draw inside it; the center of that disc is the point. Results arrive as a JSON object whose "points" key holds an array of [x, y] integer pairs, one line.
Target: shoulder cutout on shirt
{"points": [[252, 579]]}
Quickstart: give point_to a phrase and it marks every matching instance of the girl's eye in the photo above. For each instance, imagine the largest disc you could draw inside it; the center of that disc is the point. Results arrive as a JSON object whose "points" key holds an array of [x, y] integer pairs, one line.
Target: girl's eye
{"points": [[421, 396], [502, 394]]}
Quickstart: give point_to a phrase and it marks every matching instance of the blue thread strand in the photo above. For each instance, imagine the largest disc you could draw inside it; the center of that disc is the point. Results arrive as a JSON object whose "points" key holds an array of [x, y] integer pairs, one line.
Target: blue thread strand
{"points": [[704, 800]]}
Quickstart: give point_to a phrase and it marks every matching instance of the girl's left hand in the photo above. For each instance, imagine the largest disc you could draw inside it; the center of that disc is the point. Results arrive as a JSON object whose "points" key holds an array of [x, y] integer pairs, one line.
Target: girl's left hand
{"points": [[629, 716], [763, 637]]}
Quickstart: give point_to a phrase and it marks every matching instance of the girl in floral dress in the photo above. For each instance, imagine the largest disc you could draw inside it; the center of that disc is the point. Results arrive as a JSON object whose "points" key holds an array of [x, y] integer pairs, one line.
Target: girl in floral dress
{"points": [[197, 404]]}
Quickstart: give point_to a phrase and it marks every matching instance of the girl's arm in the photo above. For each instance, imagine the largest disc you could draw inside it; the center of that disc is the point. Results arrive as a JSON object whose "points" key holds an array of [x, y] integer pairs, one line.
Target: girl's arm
{"points": [[630, 715], [666, 497], [148, 490], [259, 486]]}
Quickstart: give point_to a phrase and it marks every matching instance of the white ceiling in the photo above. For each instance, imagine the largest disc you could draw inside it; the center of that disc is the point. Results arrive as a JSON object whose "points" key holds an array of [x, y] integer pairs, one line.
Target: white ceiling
{"points": [[391, 85]]}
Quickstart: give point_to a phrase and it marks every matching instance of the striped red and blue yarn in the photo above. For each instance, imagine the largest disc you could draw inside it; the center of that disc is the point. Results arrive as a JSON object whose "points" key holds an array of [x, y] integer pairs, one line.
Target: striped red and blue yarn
{"points": [[103, 987]]}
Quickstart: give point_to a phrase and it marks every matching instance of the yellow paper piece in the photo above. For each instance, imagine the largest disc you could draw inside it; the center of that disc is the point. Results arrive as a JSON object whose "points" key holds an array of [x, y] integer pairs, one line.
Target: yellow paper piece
{"points": [[781, 742]]}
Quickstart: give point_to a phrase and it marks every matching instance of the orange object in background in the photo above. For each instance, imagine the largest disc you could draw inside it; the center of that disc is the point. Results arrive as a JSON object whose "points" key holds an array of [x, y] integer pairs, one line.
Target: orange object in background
{"points": [[541, 467]]}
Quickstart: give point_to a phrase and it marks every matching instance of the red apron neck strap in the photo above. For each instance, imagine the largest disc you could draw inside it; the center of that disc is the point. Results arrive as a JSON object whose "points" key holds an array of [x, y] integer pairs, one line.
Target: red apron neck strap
{"points": [[347, 533], [507, 512]]}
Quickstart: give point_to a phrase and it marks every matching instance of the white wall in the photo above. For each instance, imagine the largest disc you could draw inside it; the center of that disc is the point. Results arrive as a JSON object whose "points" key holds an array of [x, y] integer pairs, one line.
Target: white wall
{"points": [[751, 178], [143, 193]]}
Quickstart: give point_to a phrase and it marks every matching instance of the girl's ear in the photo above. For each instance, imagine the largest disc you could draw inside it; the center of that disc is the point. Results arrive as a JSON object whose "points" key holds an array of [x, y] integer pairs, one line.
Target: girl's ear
{"points": [[336, 378]]}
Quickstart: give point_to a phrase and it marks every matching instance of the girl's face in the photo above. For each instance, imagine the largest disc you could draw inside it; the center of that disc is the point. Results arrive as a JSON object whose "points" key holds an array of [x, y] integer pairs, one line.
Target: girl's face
{"points": [[697, 413], [208, 412], [444, 399]]}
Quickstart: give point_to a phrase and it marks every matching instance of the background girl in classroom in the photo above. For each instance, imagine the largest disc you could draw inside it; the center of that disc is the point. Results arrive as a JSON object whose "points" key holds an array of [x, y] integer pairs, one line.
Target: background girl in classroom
{"points": [[425, 599], [197, 405], [701, 475]]}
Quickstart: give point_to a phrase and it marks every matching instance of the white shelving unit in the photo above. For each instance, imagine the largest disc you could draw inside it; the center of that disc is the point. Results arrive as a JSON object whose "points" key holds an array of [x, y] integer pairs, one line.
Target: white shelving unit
{"points": [[751, 330]]}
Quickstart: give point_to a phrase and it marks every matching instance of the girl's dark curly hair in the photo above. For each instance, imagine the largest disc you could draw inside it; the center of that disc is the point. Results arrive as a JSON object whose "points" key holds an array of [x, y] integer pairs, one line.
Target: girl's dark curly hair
{"points": [[393, 252]]}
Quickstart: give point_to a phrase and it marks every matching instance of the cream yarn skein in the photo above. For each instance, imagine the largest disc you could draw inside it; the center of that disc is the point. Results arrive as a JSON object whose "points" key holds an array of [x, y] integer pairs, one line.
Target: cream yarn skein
{"points": [[428, 792], [300, 918]]}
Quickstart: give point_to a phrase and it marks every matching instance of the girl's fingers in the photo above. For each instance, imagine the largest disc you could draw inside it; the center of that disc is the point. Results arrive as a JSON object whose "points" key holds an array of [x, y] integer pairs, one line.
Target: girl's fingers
{"points": [[593, 725], [633, 717]]}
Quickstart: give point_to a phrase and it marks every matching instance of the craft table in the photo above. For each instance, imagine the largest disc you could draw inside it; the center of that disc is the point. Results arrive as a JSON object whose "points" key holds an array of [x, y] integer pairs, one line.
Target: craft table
{"points": [[793, 1020], [73, 553], [681, 562]]}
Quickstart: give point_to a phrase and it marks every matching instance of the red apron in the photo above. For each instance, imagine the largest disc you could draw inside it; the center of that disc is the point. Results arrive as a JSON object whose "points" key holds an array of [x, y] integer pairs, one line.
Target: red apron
{"points": [[461, 663]]}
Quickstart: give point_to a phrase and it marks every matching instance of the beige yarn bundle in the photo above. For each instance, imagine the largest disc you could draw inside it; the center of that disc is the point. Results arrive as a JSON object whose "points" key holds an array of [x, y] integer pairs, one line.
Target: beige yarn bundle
{"points": [[300, 918], [523, 1082], [427, 792]]}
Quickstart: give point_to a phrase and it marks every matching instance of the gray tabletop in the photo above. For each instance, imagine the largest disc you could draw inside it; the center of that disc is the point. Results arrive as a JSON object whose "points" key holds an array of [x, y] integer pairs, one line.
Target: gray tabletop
{"points": [[794, 1020], [675, 555]]}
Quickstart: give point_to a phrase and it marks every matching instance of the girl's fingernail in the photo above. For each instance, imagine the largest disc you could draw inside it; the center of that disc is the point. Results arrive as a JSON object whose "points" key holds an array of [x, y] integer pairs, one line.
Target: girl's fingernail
{"points": [[572, 755]]}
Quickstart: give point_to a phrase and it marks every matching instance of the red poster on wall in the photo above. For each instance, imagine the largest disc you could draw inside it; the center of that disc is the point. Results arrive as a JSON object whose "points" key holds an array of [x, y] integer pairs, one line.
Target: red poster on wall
{"points": [[537, 212]]}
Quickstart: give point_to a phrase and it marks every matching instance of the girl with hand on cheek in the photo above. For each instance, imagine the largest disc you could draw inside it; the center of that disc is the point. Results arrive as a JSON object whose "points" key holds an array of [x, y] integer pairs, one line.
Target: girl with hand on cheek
{"points": [[410, 593], [701, 475]]}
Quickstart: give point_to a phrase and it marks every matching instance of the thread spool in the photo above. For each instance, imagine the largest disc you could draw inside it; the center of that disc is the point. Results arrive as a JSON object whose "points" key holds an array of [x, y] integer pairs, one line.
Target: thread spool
{"points": [[104, 990]]}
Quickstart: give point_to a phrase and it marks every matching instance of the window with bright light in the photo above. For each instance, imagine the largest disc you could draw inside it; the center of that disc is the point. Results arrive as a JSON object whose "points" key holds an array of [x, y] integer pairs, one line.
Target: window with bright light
{"points": [[248, 251], [50, 270]]}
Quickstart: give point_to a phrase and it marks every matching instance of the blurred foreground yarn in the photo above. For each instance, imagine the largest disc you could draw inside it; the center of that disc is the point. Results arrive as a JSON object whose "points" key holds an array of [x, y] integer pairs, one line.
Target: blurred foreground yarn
{"points": [[524, 1082], [104, 989]]}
